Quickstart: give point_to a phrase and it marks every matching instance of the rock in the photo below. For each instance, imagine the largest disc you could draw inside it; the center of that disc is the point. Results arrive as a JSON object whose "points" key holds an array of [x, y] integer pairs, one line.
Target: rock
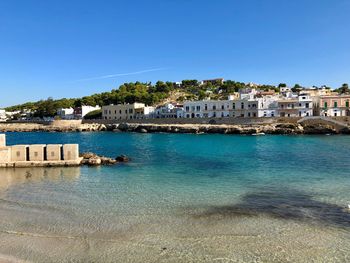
{"points": [[88, 155], [94, 161], [122, 159], [143, 130], [318, 128], [107, 161]]}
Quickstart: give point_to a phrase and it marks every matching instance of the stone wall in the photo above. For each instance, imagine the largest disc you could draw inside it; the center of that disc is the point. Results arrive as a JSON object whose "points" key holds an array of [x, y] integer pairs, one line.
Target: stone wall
{"points": [[227, 120]]}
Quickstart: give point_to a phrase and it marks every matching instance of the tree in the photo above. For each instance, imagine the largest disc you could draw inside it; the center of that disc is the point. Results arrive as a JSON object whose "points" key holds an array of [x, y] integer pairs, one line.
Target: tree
{"points": [[344, 88], [282, 85], [93, 115], [297, 88]]}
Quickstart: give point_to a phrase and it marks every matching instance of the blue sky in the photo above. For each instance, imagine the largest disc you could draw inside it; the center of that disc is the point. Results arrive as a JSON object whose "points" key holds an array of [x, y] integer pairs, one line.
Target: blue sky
{"points": [[75, 48]]}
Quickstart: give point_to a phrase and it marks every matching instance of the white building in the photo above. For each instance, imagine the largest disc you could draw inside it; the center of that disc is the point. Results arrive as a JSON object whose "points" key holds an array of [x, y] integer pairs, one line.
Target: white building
{"points": [[127, 111], [207, 109], [285, 89], [168, 110], [80, 112], [302, 106], [3, 115], [66, 113]]}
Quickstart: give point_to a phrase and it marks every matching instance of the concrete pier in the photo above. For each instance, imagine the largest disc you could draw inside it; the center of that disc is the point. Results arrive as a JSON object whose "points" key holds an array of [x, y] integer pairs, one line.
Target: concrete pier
{"points": [[37, 152], [54, 152], [38, 155], [2, 140]]}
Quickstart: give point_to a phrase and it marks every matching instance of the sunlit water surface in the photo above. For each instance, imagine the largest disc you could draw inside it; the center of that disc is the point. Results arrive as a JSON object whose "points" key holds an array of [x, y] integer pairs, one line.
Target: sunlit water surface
{"points": [[182, 198]]}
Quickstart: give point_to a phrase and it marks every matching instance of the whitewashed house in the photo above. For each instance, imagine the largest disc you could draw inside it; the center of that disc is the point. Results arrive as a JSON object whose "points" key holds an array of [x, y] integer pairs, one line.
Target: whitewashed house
{"points": [[207, 109], [3, 115], [302, 106]]}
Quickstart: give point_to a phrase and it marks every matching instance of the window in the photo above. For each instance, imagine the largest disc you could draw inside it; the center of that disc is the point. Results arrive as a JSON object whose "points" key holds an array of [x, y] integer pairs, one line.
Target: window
{"points": [[214, 107], [187, 109], [335, 104], [347, 104], [233, 105], [130, 111], [120, 111], [248, 114], [206, 107], [307, 105], [198, 108], [325, 104], [222, 107], [242, 105]]}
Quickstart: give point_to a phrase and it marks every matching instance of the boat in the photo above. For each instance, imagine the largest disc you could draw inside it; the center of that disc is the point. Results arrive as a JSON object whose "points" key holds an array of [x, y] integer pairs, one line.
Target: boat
{"points": [[258, 134]]}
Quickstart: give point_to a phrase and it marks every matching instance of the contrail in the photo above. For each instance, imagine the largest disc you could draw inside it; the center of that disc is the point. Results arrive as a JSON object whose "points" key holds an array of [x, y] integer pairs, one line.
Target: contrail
{"points": [[121, 74]]}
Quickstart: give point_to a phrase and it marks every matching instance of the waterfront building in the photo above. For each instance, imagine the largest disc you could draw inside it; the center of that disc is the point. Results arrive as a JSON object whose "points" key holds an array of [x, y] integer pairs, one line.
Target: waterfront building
{"points": [[66, 113], [249, 104], [301, 106], [80, 112], [3, 115], [127, 111], [169, 110], [207, 109], [335, 105]]}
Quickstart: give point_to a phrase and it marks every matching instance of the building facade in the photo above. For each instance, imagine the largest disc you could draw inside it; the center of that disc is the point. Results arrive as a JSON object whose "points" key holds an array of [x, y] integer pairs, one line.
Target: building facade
{"points": [[336, 105], [3, 115], [80, 112], [66, 113], [127, 111], [302, 106]]}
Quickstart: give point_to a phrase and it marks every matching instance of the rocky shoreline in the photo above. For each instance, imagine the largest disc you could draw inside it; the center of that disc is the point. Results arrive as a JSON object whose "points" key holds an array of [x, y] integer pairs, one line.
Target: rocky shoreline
{"points": [[278, 128], [274, 128]]}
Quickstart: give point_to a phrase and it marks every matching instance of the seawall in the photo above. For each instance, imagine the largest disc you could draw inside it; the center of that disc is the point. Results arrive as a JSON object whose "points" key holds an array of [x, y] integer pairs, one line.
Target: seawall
{"points": [[221, 126]]}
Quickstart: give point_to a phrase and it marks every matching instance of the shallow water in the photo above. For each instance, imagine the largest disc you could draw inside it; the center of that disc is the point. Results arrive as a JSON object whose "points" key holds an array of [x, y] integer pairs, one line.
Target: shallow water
{"points": [[183, 198]]}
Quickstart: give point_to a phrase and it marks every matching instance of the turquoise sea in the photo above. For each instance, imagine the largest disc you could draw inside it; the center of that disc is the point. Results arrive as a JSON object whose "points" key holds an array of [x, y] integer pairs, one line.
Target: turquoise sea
{"points": [[182, 198]]}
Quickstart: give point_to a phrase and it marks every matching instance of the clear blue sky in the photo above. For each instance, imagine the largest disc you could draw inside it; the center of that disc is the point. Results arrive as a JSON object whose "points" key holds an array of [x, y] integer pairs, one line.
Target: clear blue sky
{"points": [[71, 48]]}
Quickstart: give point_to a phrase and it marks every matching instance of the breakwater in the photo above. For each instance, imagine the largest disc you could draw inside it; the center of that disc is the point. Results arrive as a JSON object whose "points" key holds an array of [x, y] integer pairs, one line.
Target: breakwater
{"points": [[38, 155]]}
